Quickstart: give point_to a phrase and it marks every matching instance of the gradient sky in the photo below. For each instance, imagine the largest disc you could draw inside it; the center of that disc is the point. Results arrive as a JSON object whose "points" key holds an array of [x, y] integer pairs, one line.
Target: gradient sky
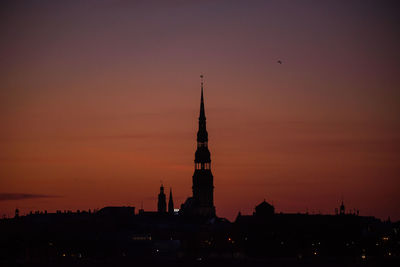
{"points": [[99, 102]]}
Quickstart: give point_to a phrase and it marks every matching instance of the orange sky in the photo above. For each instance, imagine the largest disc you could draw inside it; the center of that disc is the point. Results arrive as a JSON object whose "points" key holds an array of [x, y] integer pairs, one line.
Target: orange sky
{"points": [[99, 103]]}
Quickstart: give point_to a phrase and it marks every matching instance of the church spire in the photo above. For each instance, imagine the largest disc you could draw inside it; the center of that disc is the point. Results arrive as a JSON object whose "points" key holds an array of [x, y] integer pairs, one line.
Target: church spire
{"points": [[170, 203], [203, 188], [202, 112], [202, 155], [202, 135]]}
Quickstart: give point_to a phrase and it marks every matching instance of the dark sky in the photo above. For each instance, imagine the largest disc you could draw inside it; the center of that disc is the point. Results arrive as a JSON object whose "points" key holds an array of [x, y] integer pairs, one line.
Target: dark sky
{"points": [[99, 102]]}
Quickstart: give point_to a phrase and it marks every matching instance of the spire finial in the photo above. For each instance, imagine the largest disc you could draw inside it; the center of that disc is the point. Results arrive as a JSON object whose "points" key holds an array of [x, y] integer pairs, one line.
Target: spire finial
{"points": [[202, 83], [202, 113]]}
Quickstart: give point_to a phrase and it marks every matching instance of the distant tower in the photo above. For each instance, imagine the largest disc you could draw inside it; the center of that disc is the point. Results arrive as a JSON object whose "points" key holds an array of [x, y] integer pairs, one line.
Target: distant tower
{"points": [[170, 203], [162, 204], [16, 213], [342, 209], [203, 188]]}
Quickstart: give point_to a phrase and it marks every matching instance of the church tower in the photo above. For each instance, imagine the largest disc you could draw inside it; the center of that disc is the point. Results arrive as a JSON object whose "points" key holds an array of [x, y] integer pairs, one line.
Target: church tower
{"points": [[203, 187], [170, 203], [162, 204]]}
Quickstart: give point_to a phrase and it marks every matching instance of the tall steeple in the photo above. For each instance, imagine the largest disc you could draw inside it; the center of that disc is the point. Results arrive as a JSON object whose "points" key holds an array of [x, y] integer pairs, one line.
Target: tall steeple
{"points": [[202, 135], [203, 188], [202, 156], [170, 203], [202, 112]]}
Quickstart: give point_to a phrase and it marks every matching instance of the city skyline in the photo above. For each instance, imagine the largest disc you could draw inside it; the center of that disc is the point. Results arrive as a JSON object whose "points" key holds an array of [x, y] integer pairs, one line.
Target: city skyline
{"points": [[99, 103]]}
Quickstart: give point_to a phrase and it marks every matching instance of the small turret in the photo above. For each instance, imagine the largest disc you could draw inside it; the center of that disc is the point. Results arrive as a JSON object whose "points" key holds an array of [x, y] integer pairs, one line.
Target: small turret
{"points": [[162, 204]]}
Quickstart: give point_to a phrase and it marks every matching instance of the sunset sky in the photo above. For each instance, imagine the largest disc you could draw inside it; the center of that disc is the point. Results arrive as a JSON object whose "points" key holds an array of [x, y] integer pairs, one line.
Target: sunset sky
{"points": [[99, 102]]}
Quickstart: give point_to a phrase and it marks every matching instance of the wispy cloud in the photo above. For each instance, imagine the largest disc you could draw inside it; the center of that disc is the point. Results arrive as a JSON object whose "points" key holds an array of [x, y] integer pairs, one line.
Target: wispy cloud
{"points": [[20, 196]]}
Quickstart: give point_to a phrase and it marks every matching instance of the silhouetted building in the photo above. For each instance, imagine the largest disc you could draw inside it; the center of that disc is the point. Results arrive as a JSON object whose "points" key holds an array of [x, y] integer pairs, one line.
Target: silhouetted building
{"points": [[203, 187], [117, 212], [264, 209], [170, 203], [162, 203], [202, 202]]}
